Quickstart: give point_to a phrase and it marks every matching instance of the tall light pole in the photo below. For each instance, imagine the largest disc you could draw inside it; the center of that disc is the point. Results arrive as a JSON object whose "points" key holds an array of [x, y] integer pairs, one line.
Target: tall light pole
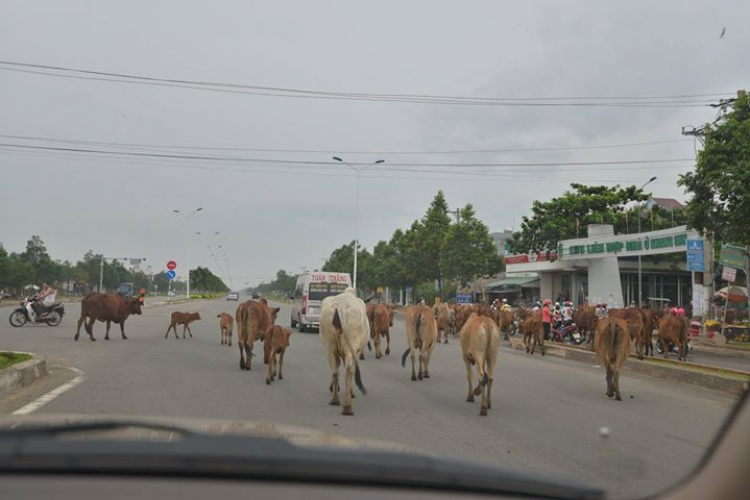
{"points": [[640, 283], [356, 240], [189, 215]]}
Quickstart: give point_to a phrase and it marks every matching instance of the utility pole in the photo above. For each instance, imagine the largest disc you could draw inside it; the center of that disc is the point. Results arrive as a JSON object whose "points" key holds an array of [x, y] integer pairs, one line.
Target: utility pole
{"points": [[457, 213]]}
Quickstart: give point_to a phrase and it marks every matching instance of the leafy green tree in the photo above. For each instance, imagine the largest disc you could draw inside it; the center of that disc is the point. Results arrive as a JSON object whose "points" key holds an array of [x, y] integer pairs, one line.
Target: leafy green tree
{"points": [[469, 250], [203, 280], [569, 215], [429, 238], [720, 184], [341, 260]]}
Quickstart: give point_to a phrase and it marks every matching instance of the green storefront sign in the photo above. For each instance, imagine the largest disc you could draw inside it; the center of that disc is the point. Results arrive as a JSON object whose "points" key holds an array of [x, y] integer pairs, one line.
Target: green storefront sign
{"points": [[733, 256], [661, 243]]}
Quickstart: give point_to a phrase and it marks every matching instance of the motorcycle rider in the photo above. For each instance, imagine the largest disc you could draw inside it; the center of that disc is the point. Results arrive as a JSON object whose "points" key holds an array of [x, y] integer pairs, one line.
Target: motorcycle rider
{"points": [[44, 298], [506, 306], [567, 314], [547, 314]]}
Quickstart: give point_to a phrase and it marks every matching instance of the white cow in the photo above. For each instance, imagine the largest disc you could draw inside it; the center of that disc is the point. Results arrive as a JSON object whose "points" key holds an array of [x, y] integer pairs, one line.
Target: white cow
{"points": [[344, 330]]}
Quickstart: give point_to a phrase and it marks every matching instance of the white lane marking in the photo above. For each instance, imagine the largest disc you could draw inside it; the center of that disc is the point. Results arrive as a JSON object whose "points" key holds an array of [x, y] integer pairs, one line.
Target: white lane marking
{"points": [[51, 395]]}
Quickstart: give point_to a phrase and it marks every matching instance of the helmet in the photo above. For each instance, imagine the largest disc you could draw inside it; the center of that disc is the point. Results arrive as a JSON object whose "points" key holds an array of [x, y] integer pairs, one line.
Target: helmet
{"points": [[680, 311], [505, 301], [557, 304], [547, 301], [537, 303], [673, 311]]}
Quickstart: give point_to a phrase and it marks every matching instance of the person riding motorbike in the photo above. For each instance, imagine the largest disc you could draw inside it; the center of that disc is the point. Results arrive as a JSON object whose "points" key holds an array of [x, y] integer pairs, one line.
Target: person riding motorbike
{"points": [[506, 306], [45, 297]]}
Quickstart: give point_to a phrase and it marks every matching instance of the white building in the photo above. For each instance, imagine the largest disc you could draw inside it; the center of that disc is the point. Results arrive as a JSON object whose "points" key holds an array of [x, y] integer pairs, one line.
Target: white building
{"points": [[604, 268]]}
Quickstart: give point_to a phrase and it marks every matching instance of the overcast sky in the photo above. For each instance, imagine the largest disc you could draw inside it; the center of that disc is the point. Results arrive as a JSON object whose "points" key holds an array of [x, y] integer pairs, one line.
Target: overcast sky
{"points": [[272, 215]]}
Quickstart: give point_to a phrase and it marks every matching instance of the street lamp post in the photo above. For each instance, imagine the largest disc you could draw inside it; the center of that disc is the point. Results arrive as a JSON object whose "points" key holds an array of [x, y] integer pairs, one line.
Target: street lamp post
{"points": [[640, 283], [188, 244], [356, 240]]}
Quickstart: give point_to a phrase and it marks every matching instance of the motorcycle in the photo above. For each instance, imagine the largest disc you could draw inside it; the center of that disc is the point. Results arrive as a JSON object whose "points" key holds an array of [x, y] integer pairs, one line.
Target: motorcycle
{"points": [[566, 333], [52, 314]]}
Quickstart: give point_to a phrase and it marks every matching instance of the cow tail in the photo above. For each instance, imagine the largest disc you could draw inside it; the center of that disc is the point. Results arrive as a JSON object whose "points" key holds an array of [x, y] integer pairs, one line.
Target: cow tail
{"points": [[372, 328], [403, 358], [357, 374], [417, 324], [613, 339]]}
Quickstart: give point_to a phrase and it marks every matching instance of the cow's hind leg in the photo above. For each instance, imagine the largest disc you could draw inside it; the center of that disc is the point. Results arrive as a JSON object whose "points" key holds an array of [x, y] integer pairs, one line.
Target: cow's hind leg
{"points": [[81, 320], [378, 351], [349, 361], [281, 364], [412, 354], [106, 336], [388, 344], [90, 328], [248, 356], [269, 372], [189, 331], [333, 361], [609, 378], [242, 358], [469, 376]]}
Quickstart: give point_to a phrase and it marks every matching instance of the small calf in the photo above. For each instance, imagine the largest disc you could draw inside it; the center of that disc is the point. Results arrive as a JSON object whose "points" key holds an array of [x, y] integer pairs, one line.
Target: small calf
{"points": [[276, 342], [226, 323], [184, 319]]}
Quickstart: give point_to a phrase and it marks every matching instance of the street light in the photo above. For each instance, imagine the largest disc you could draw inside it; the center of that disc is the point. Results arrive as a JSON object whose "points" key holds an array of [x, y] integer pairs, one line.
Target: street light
{"points": [[356, 240], [188, 216], [640, 283]]}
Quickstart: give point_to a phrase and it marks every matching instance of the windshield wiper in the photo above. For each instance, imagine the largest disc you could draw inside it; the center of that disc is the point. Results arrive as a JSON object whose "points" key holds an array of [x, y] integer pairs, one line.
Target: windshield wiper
{"points": [[95, 448]]}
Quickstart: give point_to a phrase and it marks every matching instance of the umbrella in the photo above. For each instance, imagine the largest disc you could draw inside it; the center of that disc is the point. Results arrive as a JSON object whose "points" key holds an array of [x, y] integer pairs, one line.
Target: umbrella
{"points": [[733, 293]]}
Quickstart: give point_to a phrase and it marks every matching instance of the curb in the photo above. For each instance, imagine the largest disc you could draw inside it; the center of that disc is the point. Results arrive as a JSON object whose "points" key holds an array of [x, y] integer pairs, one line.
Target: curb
{"points": [[22, 374], [704, 376]]}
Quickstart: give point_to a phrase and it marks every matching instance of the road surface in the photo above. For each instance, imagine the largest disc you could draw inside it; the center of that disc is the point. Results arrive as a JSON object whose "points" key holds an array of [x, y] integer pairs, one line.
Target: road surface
{"points": [[546, 416]]}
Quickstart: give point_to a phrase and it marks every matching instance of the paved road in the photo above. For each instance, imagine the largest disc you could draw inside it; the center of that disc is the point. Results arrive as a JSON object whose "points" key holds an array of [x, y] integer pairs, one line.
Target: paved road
{"points": [[546, 417]]}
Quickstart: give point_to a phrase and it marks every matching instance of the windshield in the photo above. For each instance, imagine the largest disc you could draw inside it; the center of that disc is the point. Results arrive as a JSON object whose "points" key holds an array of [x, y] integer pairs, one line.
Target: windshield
{"points": [[584, 161]]}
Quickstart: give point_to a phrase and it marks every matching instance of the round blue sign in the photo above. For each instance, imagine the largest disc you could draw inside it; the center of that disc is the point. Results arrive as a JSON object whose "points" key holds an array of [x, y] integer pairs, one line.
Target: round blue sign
{"points": [[171, 274]]}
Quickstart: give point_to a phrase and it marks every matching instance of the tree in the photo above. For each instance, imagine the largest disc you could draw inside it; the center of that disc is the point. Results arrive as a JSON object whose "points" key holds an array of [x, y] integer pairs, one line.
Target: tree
{"points": [[341, 260], [202, 279], [720, 202], [469, 250], [568, 216], [430, 236]]}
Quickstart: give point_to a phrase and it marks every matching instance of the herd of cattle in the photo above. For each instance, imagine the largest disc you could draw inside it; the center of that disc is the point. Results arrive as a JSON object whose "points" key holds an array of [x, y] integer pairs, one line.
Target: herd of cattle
{"points": [[348, 326]]}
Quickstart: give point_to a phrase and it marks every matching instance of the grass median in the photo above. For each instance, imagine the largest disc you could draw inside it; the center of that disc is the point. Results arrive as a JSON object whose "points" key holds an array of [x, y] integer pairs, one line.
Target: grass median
{"points": [[11, 358]]}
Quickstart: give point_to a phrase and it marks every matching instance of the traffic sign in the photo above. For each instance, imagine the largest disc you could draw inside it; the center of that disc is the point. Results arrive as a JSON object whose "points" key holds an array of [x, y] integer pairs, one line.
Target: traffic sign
{"points": [[729, 274], [463, 298], [696, 260], [733, 256], [171, 265], [171, 274]]}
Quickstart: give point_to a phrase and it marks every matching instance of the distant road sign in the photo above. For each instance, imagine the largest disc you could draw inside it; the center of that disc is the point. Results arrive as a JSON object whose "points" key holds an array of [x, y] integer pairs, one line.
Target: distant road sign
{"points": [[729, 274], [171, 265], [733, 256], [171, 274], [695, 257], [463, 298]]}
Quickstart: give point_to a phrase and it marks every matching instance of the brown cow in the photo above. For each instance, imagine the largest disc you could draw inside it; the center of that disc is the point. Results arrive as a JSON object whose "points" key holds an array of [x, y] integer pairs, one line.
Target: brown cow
{"points": [[635, 326], [504, 321], [613, 345], [226, 324], [649, 321], [110, 308], [585, 319], [480, 339], [462, 313], [253, 318], [184, 319], [421, 333], [445, 320], [381, 319], [276, 342], [531, 327], [673, 331]]}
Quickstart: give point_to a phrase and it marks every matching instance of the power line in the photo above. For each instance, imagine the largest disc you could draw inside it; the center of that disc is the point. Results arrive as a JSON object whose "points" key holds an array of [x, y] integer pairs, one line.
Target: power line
{"points": [[330, 163], [336, 151], [687, 100]]}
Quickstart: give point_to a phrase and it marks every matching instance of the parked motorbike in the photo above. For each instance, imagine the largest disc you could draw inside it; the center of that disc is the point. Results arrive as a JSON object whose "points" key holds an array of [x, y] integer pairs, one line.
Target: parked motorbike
{"points": [[52, 314], [566, 333]]}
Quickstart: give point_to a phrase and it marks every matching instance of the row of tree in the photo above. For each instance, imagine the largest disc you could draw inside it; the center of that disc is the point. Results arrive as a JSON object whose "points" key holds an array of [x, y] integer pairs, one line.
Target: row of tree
{"points": [[35, 266], [434, 250]]}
